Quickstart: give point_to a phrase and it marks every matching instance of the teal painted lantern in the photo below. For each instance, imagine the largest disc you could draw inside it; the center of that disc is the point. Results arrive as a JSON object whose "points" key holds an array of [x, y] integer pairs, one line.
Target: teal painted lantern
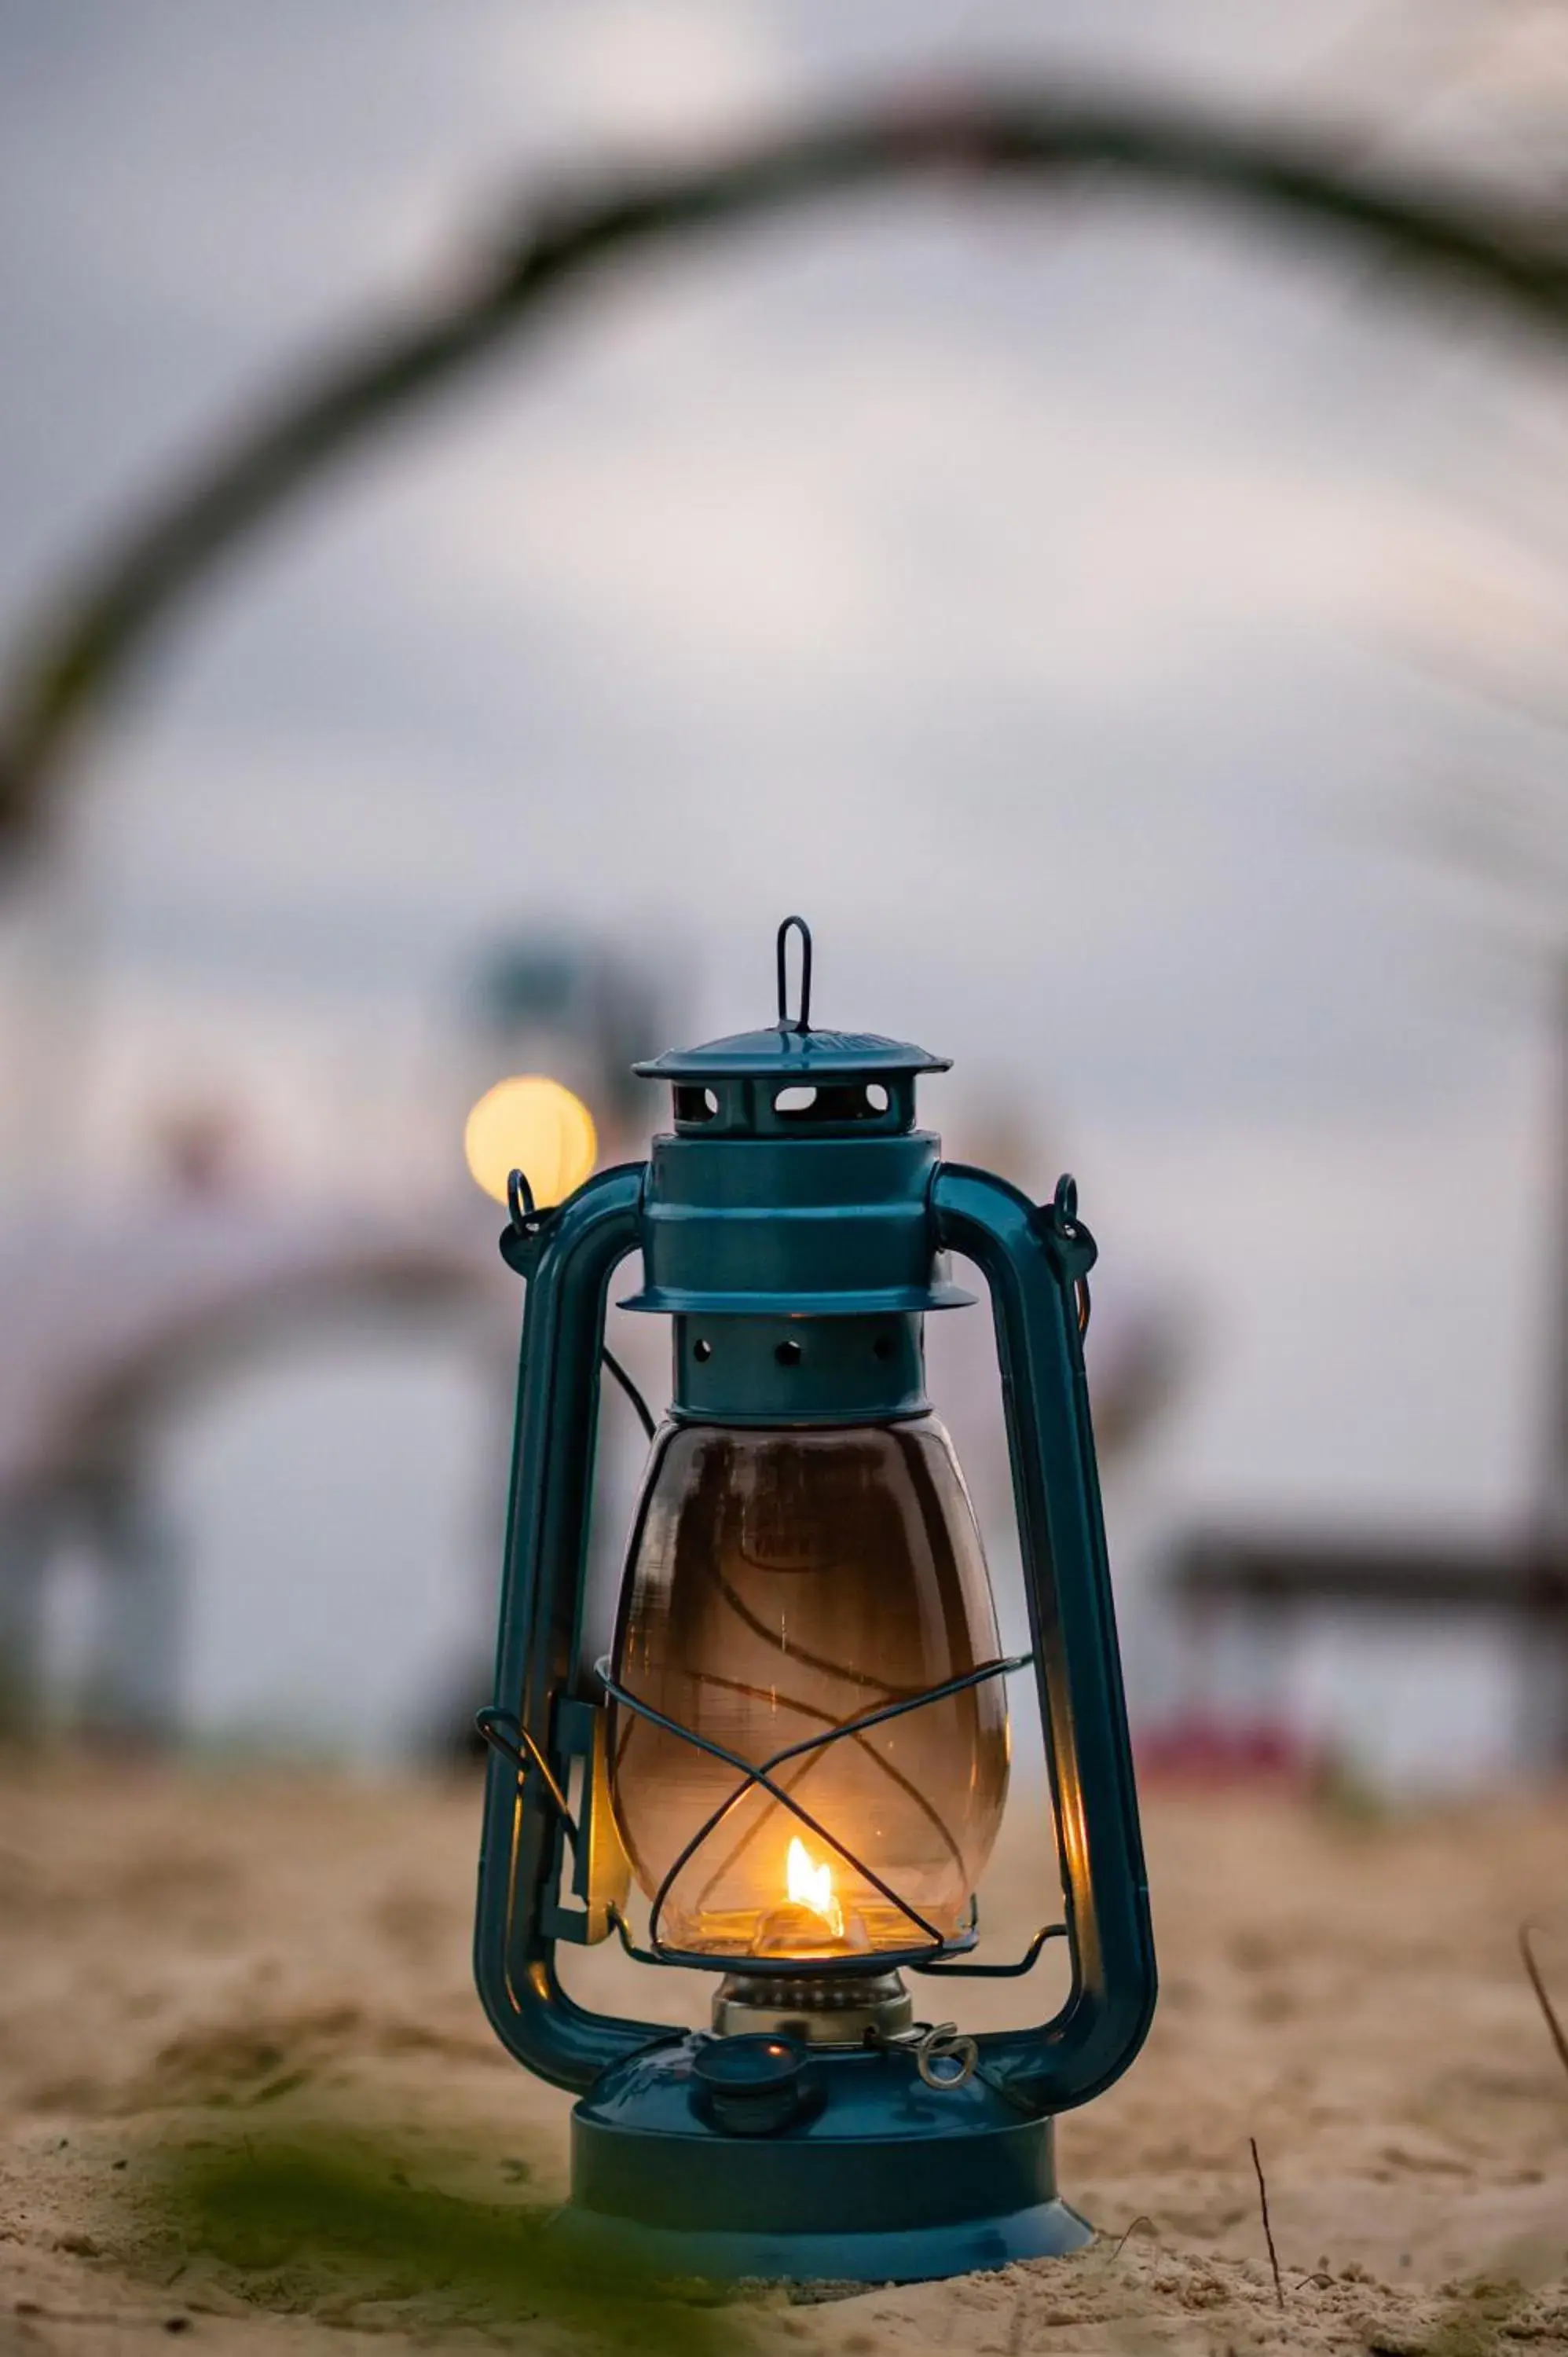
{"points": [[797, 1748]]}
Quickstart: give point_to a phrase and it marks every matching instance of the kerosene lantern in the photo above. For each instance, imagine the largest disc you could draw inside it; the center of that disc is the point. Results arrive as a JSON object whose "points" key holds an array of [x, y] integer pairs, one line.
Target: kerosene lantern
{"points": [[797, 1748]]}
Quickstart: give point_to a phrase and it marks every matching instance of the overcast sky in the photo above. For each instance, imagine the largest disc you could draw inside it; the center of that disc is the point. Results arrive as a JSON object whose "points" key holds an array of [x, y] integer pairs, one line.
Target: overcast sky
{"points": [[1071, 606]]}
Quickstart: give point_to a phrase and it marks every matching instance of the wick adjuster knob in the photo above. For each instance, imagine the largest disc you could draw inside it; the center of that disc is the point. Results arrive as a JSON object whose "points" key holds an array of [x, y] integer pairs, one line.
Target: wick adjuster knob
{"points": [[750, 2086]]}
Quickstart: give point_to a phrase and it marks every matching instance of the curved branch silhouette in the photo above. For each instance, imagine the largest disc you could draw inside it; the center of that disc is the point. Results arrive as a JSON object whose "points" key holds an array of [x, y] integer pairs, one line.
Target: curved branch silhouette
{"points": [[84, 642]]}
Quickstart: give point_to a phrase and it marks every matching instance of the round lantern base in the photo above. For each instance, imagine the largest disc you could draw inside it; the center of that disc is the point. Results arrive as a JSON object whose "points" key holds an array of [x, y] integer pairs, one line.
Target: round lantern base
{"points": [[831, 2166], [909, 2254]]}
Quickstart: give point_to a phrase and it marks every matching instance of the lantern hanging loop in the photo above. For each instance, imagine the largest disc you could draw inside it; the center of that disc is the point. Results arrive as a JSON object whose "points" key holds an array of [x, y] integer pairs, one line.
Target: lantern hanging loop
{"points": [[802, 1022]]}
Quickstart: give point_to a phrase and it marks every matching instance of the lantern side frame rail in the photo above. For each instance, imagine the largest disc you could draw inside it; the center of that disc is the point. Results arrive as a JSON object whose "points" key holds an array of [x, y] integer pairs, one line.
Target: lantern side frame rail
{"points": [[1033, 1260], [568, 1260]]}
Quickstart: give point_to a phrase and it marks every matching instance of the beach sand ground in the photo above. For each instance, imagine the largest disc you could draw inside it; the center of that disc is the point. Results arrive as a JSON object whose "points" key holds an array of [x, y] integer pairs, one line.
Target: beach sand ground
{"points": [[198, 1961]]}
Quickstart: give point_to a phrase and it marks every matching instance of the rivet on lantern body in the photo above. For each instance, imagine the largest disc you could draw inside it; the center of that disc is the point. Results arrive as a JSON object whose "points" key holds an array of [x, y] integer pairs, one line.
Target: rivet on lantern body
{"points": [[798, 1747]]}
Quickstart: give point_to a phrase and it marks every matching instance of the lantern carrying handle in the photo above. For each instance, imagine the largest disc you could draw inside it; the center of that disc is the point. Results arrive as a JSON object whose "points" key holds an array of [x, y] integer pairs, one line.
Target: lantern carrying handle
{"points": [[568, 1264], [802, 1022], [1034, 1262], [527, 1224]]}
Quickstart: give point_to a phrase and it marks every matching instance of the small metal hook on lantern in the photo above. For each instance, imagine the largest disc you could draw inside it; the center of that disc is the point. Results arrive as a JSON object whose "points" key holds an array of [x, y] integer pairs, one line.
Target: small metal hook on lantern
{"points": [[520, 1203], [944, 2058], [1065, 1223]]}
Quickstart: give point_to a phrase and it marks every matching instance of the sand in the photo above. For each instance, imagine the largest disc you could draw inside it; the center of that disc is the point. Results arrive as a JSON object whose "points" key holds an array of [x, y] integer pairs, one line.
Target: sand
{"points": [[196, 1962]]}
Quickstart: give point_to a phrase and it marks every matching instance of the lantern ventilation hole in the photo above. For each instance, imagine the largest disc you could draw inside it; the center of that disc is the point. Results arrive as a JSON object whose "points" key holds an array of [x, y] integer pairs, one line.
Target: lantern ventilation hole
{"points": [[788, 1354], [800, 1106], [693, 1106], [701, 1350]]}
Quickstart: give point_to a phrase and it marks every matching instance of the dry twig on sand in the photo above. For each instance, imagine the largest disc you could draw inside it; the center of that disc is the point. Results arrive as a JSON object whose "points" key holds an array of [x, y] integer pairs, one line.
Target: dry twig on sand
{"points": [[1268, 2230], [1549, 2011], [1143, 2219]]}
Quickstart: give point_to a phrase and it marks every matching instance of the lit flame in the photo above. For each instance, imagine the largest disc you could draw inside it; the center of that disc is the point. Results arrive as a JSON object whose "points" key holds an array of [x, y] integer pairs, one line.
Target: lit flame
{"points": [[812, 1886]]}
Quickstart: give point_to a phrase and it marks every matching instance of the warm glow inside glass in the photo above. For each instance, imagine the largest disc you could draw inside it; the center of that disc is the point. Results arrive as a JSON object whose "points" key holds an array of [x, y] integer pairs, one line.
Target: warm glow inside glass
{"points": [[780, 1583]]}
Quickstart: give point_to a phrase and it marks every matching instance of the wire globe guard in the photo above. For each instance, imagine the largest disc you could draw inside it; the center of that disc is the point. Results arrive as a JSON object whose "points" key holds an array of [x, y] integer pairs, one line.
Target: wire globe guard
{"points": [[840, 2162]]}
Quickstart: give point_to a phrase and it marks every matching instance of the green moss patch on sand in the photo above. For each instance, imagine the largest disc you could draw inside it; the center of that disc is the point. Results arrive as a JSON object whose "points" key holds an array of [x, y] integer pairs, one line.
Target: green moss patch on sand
{"points": [[321, 2223]]}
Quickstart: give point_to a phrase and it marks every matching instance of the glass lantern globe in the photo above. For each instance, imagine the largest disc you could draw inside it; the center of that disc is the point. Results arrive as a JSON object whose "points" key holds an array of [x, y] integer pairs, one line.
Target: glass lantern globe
{"points": [[783, 1586]]}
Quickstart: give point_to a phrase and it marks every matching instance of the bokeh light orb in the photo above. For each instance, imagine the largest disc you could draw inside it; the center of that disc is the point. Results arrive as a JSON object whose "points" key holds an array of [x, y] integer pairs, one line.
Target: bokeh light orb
{"points": [[535, 1126]]}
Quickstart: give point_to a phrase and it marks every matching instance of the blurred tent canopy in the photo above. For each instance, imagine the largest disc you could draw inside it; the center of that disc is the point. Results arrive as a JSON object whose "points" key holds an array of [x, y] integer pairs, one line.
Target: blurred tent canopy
{"points": [[1491, 247]]}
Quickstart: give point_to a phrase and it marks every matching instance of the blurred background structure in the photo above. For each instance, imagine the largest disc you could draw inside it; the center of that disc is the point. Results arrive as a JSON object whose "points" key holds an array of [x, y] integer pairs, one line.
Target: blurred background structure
{"points": [[1094, 611]]}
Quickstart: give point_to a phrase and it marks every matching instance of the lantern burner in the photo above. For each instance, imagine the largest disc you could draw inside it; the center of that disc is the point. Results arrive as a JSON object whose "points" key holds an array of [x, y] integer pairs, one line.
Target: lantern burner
{"points": [[832, 2009]]}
